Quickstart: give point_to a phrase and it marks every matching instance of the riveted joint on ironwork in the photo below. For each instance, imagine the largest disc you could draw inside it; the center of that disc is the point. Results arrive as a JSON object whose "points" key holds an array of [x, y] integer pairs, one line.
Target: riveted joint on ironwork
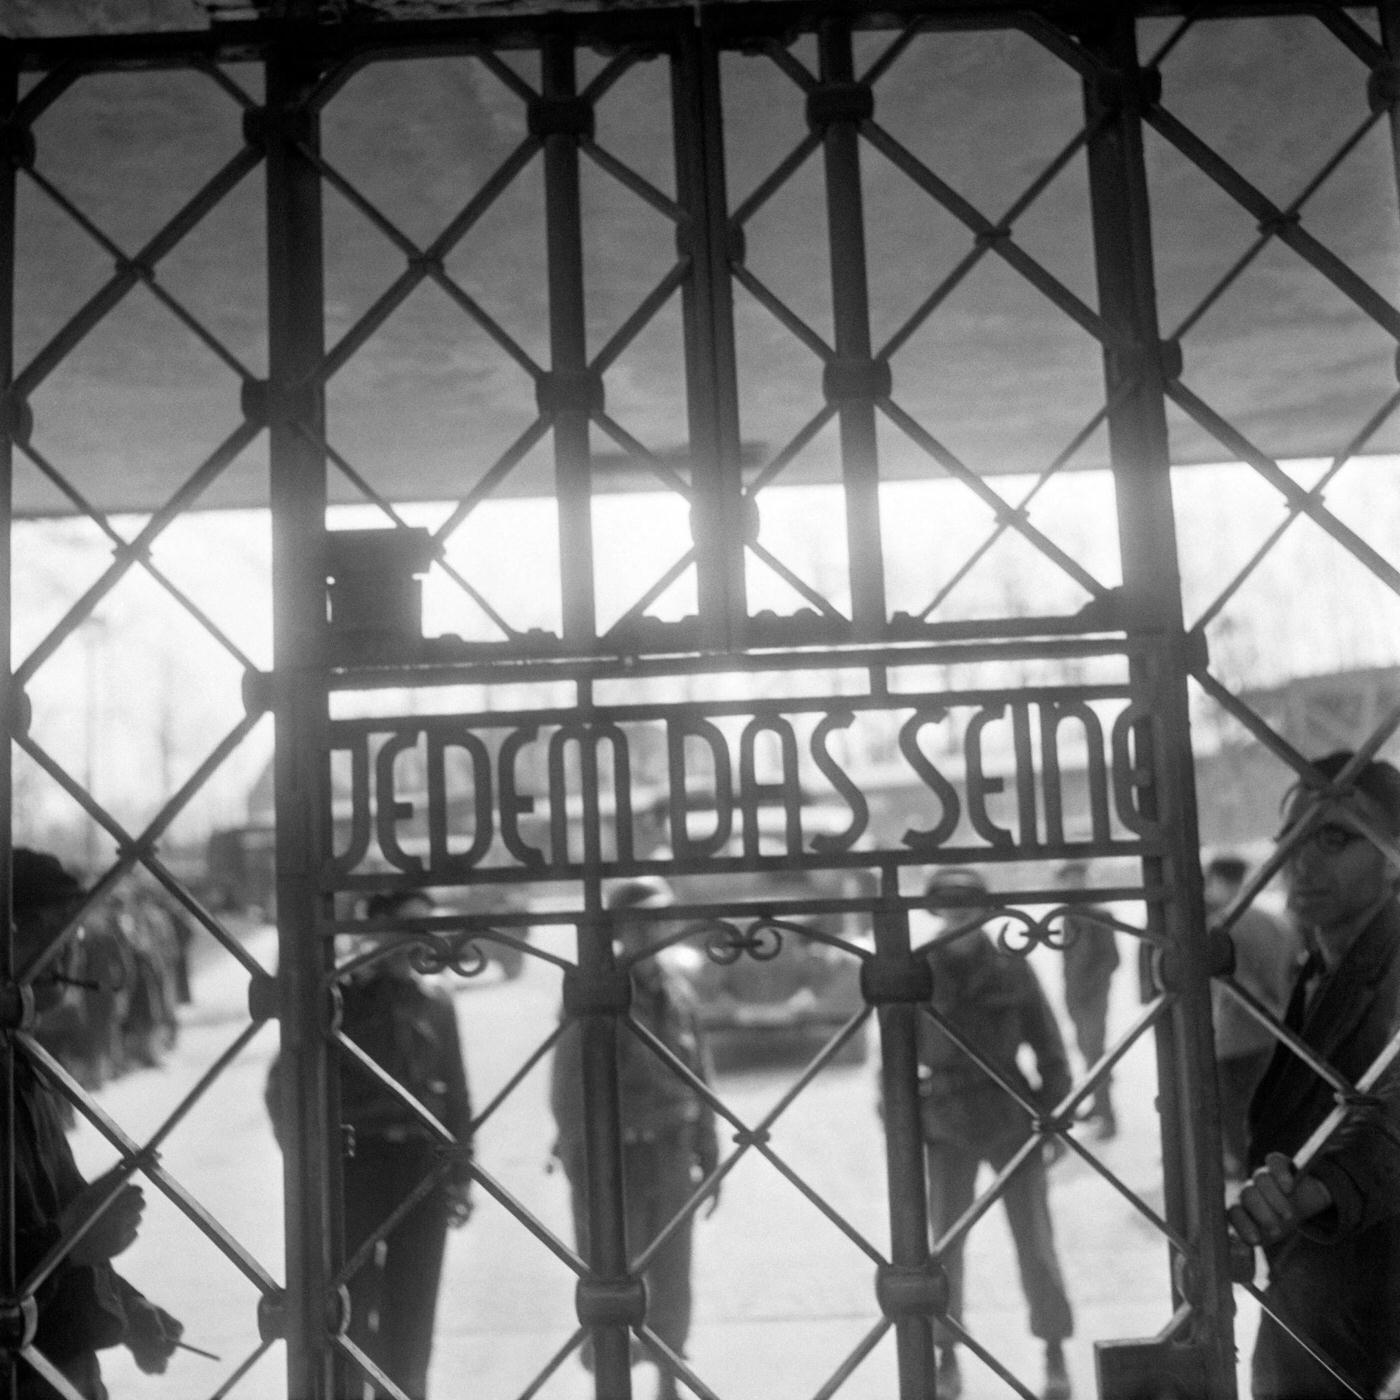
{"points": [[257, 690], [601, 993], [17, 147], [333, 1010], [856, 381], [1354, 1101], [255, 401], [338, 1311], [17, 1011], [1187, 1276], [131, 553], [272, 1315], [908, 1291], [16, 417], [561, 116], [750, 519], [1279, 221], [688, 241], [890, 982], [611, 1302], [460, 1154], [263, 126], [569, 391], [1383, 86], [19, 713], [1171, 361], [736, 244], [1127, 90], [752, 1137], [18, 1323], [1215, 959], [262, 998], [257, 126], [426, 264], [1242, 1265], [137, 269], [839, 102], [1195, 651], [1052, 1124], [993, 236]]}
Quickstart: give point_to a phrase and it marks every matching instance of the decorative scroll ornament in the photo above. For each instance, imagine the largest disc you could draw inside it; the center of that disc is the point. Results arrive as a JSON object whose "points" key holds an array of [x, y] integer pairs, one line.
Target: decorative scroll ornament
{"points": [[428, 954], [762, 940], [1021, 933], [459, 953]]}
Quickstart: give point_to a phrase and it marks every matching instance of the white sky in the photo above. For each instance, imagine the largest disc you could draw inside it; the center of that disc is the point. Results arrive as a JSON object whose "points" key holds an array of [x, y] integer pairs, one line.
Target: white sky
{"points": [[136, 699]]}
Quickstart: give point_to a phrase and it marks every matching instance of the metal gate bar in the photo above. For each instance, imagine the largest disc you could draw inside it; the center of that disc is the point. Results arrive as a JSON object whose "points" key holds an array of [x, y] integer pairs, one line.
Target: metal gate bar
{"points": [[853, 379], [1193, 1180], [298, 495], [13, 1321]]}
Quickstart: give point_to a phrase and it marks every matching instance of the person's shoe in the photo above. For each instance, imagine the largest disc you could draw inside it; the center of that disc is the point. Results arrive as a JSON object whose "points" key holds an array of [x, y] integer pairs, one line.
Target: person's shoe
{"points": [[1057, 1385], [949, 1375]]}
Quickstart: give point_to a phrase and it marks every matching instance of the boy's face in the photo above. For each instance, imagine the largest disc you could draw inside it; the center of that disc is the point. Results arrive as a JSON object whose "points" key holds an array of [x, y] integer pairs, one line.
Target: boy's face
{"points": [[1337, 873]]}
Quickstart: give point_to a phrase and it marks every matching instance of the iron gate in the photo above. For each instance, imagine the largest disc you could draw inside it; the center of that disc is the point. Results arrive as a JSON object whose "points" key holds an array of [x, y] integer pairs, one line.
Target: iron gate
{"points": [[761, 217]]}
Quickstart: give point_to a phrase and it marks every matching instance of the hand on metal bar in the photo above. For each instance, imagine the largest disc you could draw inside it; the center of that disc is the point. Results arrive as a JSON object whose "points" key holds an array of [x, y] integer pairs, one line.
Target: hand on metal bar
{"points": [[1276, 1200]]}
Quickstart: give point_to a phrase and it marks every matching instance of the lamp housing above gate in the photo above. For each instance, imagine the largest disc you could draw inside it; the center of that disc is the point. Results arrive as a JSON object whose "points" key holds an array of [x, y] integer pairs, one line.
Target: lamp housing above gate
{"points": [[375, 584]]}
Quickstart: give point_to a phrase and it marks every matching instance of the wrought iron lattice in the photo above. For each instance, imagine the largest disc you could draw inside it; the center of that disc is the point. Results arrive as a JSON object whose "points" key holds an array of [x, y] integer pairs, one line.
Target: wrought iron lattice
{"points": [[787, 359]]}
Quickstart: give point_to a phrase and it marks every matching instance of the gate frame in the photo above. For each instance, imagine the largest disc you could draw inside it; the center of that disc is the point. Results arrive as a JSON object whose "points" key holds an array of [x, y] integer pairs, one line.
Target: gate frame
{"points": [[1149, 610]]}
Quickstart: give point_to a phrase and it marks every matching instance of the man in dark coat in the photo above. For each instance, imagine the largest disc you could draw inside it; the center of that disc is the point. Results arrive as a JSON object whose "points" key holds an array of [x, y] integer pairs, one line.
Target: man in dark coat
{"points": [[1268, 950], [83, 1306], [668, 1129], [1331, 1230], [996, 1005], [409, 1029], [1091, 955]]}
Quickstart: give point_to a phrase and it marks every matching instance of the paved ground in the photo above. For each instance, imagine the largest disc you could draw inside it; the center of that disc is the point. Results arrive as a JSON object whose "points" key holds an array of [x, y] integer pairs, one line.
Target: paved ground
{"points": [[783, 1297]]}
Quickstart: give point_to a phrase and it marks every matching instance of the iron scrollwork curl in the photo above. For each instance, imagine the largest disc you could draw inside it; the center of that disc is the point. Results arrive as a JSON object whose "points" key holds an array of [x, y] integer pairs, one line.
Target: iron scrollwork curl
{"points": [[761, 939], [459, 953], [428, 954], [1022, 933]]}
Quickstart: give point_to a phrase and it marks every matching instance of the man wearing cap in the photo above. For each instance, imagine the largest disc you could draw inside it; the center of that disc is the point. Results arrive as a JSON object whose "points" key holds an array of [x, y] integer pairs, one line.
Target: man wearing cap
{"points": [[1331, 1228], [83, 1306], [1091, 955], [996, 1005], [668, 1129]]}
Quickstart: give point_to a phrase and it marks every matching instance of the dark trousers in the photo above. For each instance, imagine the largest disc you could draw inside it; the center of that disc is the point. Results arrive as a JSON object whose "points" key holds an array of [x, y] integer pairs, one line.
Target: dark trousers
{"points": [[1090, 1017], [952, 1183], [657, 1179], [393, 1300]]}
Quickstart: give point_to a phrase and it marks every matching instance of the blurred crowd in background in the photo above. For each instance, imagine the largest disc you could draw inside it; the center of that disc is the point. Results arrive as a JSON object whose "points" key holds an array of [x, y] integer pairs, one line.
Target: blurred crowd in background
{"points": [[126, 972]]}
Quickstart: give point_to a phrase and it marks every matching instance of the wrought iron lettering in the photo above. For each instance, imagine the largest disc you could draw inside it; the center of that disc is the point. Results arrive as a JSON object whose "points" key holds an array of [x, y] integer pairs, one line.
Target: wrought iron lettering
{"points": [[444, 798]]}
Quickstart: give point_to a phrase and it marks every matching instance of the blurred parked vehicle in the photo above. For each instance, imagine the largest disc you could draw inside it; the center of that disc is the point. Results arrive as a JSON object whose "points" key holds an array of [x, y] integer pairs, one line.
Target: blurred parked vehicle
{"points": [[770, 990]]}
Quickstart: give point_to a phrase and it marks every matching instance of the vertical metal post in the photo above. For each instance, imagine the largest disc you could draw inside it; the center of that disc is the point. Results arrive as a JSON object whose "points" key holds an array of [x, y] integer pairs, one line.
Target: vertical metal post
{"points": [[9, 96], [1193, 1174], [1389, 14], [717, 511], [571, 388], [611, 1298], [907, 1288], [298, 494], [853, 380]]}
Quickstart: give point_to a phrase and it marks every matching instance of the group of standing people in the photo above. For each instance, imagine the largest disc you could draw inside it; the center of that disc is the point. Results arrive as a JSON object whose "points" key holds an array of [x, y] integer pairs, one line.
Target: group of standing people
{"points": [[990, 1049], [83, 1306], [129, 972]]}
